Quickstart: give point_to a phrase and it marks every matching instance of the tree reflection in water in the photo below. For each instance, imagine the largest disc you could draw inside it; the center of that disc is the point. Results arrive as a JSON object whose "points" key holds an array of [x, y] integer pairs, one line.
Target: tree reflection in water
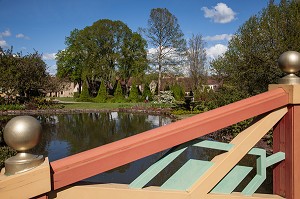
{"points": [[68, 134]]}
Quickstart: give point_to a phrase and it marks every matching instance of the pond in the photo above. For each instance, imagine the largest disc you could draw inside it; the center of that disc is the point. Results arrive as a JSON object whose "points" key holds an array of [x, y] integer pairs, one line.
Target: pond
{"points": [[68, 134]]}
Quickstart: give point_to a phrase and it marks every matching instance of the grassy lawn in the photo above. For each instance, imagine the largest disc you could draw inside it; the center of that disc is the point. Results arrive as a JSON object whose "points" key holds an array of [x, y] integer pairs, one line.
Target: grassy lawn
{"points": [[65, 99]]}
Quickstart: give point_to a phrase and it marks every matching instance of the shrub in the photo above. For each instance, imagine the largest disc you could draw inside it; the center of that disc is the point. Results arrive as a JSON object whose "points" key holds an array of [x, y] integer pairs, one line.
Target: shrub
{"points": [[76, 95], [147, 92], [5, 151], [102, 94], [178, 92], [165, 97], [42, 103], [84, 95], [118, 94], [134, 93]]}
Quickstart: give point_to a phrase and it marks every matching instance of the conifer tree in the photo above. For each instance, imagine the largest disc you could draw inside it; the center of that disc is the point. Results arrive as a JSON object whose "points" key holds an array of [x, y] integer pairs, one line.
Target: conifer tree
{"points": [[134, 93], [102, 93], [84, 95], [118, 94]]}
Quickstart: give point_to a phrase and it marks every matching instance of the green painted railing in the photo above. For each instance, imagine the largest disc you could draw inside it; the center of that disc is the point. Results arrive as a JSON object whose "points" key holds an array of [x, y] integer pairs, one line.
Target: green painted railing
{"points": [[193, 169]]}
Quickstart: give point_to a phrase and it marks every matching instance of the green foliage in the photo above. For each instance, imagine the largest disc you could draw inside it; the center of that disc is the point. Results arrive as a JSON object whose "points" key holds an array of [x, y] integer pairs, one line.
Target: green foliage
{"points": [[5, 151], [113, 50], [178, 92], [250, 64], [39, 103], [84, 95], [134, 93], [4, 107], [235, 129], [76, 95], [147, 92], [22, 74], [118, 94], [102, 93], [185, 112]]}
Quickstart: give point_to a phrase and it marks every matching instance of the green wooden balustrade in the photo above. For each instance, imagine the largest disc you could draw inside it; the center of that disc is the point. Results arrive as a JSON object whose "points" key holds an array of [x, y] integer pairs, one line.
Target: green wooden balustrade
{"points": [[193, 169]]}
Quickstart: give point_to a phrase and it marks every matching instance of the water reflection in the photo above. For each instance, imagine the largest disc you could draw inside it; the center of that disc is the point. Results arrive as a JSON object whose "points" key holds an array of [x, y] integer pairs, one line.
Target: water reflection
{"points": [[68, 134], [65, 135]]}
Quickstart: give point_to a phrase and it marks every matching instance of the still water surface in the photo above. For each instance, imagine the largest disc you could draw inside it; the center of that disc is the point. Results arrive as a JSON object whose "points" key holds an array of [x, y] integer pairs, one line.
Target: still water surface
{"points": [[68, 134]]}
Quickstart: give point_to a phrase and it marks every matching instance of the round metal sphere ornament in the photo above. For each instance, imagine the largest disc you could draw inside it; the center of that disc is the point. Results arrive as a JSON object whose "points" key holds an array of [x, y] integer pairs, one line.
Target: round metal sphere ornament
{"points": [[289, 62], [22, 133]]}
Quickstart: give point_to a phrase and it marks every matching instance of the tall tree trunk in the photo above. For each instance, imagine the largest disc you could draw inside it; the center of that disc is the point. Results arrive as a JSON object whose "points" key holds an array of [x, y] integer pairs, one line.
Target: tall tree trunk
{"points": [[159, 79]]}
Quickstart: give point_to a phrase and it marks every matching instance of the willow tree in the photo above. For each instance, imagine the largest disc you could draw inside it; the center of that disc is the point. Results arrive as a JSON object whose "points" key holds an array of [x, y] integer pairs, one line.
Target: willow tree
{"points": [[167, 40]]}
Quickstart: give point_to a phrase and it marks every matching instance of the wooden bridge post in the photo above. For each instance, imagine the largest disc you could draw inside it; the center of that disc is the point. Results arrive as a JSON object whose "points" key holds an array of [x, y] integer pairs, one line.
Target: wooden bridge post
{"points": [[286, 135]]}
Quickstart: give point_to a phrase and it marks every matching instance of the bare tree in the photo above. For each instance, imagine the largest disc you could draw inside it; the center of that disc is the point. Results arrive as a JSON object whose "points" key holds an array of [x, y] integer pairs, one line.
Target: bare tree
{"points": [[196, 58], [166, 38]]}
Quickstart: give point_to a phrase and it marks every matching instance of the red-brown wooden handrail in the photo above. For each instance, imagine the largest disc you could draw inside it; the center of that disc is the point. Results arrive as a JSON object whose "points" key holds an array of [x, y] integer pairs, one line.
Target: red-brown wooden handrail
{"points": [[92, 162]]}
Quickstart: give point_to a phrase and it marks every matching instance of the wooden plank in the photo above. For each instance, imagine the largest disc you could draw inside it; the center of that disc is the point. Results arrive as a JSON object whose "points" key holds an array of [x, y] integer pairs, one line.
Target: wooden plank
{"points": [[232, 180], [28, 184], [292, 90], [86, 164], [154, 169], [187, 175], [275, 158], [117, 191], [243, 142], [286, 177], [240, 196]]}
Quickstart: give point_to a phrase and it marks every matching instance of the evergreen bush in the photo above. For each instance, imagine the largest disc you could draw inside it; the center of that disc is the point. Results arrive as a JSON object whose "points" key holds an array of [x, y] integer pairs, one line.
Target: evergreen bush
{"points": [[147, 92], [178, 92], [102, 94], [118, 94], [84, 95], [134, 93]]}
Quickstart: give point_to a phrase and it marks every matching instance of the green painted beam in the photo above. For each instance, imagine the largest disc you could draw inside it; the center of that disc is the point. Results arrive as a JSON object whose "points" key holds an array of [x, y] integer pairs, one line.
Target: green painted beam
{"points": [[192, 170], [187, 175], [275, 158], [214, 145], [261, 172], [232, 180], [154, 169]]}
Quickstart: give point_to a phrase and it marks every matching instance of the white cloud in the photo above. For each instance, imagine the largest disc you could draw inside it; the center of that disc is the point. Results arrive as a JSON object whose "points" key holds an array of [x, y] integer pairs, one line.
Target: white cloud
{"points": [[6, 33], [49, 56], [3, 44], [215, 51], [52, 69], [219, 37], [22, 36], [221, 13]]}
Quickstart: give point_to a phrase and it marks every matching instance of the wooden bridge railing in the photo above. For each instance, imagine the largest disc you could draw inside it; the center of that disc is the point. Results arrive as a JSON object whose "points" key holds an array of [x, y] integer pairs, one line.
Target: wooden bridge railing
{"points": [[92, 162], [69, 170]]}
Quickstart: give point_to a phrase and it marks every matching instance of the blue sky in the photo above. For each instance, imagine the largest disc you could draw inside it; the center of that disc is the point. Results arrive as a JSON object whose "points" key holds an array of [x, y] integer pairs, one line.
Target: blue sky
{"points": [[42, 25]]}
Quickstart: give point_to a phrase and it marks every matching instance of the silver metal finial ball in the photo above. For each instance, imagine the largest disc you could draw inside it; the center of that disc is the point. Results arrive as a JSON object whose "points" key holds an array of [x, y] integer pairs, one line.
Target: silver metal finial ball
{"points": [[22, 133], [289, 62]]}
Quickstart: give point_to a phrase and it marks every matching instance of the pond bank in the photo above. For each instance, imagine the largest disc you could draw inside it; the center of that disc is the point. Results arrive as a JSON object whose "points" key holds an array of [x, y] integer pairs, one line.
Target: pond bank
{"points": [[156, 111]]}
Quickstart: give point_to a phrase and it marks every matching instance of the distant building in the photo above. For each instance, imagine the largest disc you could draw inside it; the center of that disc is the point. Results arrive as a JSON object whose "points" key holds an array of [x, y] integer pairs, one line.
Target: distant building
{"points": [[67, 90]]}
